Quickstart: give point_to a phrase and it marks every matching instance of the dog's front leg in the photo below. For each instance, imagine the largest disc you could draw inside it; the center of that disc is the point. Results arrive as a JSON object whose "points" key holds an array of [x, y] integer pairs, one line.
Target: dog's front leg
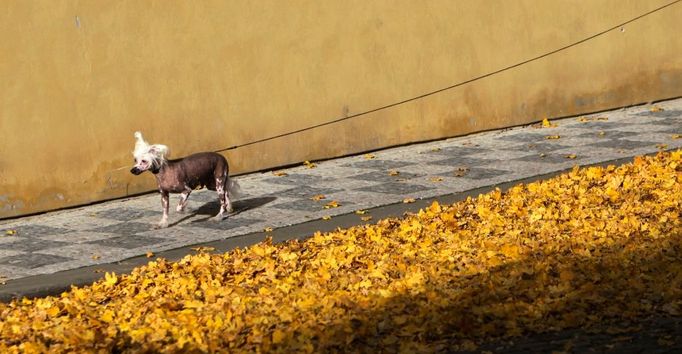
{"points": [[165, 202]]}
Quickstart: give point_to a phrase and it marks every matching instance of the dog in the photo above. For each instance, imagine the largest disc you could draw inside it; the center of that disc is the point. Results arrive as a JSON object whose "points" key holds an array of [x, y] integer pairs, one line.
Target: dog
{"points": [[196, 171]]}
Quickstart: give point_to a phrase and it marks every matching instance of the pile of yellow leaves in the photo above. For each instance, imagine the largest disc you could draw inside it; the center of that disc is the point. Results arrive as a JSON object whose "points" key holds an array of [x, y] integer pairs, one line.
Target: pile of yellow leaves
{"points": [[589, 246]]}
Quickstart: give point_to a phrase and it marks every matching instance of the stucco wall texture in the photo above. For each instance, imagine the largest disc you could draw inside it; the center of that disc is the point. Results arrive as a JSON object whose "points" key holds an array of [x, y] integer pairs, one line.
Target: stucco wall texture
{"points": [[79, 77]]}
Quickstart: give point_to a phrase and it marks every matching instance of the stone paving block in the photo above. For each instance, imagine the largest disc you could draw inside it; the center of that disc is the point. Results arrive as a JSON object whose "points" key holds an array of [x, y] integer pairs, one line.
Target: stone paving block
{"points": [[602, 135], [552, 158], [540, 147], [605, 125], [4, 253], [460, 162], [507, 152], [227, 224], [383, 165], [396, 188], [303, 205], [529, 137], [304, 191], [126, 228], [79, 222], [30, 244], [477, 173], [76, 237], [623, 144], [661, 114], [181, 233], [32, 230], [125, 213], [386, 176], [676, 130], [32, 260], [86, 252], [130, 241], [459, 150], [295, 179]]}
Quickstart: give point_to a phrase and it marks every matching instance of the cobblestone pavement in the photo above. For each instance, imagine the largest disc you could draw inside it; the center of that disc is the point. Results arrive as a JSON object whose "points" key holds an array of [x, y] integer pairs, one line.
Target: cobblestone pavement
{"points": [[113, 231]]}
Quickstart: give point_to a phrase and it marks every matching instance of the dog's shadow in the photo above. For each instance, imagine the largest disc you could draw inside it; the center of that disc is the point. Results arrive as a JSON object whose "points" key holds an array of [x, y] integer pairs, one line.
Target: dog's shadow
{"points": [[239, 206], [212, 208]]}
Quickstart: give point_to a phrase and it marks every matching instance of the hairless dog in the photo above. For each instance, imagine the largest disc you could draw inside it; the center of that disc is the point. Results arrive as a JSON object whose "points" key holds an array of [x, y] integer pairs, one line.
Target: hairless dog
{"points": [[203, 169]]}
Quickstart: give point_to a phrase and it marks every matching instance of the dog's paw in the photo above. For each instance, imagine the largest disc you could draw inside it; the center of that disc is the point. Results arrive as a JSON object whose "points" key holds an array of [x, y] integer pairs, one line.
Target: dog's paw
{"points": [[180, 210], [161, 225]]}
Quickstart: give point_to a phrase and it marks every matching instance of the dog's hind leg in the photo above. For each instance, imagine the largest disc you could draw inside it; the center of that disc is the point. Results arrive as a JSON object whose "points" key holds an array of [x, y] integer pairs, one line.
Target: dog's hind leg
{"points": [[183, 200], [228, 203], [229, 193], [220, 187], [164, 203], [233, 189]]}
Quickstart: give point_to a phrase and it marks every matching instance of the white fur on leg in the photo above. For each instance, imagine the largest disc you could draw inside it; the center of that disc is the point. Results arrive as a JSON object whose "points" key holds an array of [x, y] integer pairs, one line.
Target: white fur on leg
{"points": [[163, 223], [183, 201], [164, 203], [221, 195], [228, 203]]}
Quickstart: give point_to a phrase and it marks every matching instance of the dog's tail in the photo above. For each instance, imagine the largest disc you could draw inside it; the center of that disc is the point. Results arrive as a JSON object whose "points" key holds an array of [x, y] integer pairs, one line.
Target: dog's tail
{"points": [[233, 188]]}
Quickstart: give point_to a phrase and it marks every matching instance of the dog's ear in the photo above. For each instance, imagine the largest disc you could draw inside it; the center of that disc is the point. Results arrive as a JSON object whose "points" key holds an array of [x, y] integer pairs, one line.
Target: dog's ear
{"points": [[158, 150]]}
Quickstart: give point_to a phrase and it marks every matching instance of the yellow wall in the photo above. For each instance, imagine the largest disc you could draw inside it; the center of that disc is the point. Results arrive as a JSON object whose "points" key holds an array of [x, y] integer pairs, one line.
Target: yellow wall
{"points": [[79, 77]]}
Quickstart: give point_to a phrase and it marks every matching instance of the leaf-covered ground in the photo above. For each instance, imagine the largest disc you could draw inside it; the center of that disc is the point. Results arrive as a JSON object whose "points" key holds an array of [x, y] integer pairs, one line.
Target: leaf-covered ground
{"points": [[587, 247]]}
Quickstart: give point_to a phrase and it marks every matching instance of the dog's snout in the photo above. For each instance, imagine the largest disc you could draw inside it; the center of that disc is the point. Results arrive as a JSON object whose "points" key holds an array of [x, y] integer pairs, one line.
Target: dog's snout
{"points": [[135, 171]]}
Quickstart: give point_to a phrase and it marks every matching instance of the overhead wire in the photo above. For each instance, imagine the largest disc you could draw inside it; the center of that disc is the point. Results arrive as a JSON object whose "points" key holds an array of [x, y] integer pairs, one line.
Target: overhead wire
{"points": [[458, 84]]}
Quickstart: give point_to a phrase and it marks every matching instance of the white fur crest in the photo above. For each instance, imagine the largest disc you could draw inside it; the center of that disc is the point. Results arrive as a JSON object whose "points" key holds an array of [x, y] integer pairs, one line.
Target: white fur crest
{"points": [[154, 155]]}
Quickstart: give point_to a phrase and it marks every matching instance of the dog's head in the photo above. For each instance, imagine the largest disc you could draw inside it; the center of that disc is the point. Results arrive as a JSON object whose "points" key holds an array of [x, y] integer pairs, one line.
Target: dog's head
{"points": [[148, 157]]}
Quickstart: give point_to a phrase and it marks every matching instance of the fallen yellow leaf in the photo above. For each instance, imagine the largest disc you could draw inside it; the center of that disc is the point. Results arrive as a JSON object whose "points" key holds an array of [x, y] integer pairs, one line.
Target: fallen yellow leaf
{"points": [[110, 279], [332, 204], [547, 124]]}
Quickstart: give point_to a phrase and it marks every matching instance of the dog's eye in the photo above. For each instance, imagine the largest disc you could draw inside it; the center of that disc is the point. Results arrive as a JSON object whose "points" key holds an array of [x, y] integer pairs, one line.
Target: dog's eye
{"points": [[144, 161]]}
